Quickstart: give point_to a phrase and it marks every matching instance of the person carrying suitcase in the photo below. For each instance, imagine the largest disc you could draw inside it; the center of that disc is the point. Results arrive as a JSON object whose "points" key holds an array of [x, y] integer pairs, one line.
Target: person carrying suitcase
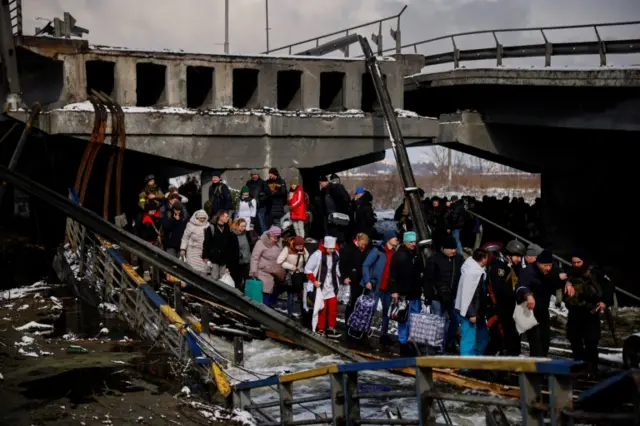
{"points": [[375, 278]]}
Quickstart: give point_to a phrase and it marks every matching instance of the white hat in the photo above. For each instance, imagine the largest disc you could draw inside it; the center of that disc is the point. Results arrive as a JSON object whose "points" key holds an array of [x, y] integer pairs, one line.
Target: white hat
{"points": [[329, 242]]}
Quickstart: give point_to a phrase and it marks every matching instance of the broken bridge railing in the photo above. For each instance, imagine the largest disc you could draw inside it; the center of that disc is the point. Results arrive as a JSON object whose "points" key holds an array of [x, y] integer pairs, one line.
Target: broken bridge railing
{"points": [[96, 260], [499, 51], [377, 38], [345, 394]]}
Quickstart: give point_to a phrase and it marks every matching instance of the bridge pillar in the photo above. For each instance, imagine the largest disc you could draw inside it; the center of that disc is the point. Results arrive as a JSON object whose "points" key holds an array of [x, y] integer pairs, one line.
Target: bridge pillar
{"points": [[75, 81], [176, 84], [125, 81]]}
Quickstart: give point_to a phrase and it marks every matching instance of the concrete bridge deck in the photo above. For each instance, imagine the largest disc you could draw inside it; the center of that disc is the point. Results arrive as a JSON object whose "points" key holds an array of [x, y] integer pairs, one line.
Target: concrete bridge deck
{"points": [[243, 139]]}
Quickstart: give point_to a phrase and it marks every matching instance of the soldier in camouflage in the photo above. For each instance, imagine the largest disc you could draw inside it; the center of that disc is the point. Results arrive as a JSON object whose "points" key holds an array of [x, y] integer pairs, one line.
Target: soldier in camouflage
{"points": [[593, 294]]}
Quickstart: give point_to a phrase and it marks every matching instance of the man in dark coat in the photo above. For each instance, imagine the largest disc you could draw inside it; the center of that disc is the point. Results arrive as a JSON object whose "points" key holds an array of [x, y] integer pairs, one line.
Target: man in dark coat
{"points": [[406, 276], [442, 274], [219, 195], [501, 285], [259, 191], [593, 295], [278, 196], [536, 285]]}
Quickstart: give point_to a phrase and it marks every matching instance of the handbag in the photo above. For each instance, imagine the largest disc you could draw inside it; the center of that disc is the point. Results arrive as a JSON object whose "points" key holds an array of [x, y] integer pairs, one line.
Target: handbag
{"points": [[399, 310], [298, 278]]}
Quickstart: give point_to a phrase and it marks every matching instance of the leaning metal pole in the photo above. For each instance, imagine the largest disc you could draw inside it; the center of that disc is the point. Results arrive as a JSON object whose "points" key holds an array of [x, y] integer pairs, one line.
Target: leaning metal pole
{"points": [[35, 110], [411, 190]]}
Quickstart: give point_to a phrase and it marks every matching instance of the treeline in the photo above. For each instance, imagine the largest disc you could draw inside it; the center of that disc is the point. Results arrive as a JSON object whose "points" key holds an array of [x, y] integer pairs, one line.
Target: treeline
{"points": [[387, 190]]}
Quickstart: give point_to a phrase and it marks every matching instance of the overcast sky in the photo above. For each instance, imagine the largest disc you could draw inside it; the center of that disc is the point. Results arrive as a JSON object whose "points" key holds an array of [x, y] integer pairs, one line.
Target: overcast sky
{"points": [[198, 25]]}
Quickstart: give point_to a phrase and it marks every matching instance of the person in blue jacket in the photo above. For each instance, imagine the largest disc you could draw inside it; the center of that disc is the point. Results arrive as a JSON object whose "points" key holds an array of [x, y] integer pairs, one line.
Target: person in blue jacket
{"points": [[375, 278]]}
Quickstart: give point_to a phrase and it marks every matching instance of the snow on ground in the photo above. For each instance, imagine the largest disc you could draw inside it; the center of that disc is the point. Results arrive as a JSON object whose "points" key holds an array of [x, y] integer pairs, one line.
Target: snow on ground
{"points": [[18, 293]]}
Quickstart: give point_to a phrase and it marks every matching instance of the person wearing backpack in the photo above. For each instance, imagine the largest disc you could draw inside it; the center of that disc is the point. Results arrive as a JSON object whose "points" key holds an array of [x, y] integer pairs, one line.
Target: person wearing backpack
{"points": [[292, 259], [219, 195]]}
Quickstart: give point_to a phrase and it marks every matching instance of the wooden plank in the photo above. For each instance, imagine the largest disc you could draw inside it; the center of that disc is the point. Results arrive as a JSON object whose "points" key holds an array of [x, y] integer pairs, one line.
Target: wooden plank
{"points": [[516, 364], [386, 364], [308, 374]]}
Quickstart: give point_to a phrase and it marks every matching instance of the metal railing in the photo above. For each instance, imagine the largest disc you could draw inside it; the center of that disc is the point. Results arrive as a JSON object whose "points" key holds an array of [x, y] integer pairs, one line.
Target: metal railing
{"points": [[345, 394], [546, 49], [556, 257], [396, 35], [145, 311], [15, 11]]}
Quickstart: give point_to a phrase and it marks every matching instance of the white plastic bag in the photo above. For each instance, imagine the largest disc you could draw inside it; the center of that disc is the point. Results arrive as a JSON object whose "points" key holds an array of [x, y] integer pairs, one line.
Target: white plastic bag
{"points": [[344, 293], [226, 278], [524, 318]]}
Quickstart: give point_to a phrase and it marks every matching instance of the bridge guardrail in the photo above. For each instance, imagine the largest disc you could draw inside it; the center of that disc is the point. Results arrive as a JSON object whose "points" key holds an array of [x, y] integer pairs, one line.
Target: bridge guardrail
{"points": [[345, 396], [15, 12], [546, 49], [144, 310], [376, 38]]}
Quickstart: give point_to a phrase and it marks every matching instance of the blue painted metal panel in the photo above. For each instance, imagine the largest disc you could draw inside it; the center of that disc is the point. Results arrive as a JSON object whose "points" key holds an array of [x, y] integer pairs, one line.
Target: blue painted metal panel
{"points": [[74, 195], [558, 367], [116, 256], [378, 365], [602, 386], [155, 298], [269, 381]]}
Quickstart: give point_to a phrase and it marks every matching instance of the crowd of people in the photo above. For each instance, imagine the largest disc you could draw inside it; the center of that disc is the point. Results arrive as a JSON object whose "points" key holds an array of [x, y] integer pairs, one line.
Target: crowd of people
{"points": [[261, 236]]}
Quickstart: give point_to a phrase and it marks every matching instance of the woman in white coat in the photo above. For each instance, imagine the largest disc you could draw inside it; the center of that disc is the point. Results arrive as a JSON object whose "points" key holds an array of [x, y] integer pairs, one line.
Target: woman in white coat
{"points": [[193, 241]]}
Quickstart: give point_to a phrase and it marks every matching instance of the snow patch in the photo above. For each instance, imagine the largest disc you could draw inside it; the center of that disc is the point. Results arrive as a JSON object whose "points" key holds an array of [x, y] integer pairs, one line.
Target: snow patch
{"points": [[33, 325], [213, 413], [18, 293], [108, 307], [29, 354]]}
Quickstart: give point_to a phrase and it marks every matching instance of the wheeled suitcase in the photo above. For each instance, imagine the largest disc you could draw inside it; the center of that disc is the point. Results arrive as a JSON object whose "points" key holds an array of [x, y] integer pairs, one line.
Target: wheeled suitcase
{"points": [[359, 324], [253, 289]]}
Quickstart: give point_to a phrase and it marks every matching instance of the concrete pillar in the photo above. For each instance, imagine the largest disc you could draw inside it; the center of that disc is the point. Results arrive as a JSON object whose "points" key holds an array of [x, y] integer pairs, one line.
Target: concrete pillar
{"points": [[267, 87], [125, 81], [395, 84], [176, 85], [353, 86], [310, 90], [75, 80], [223, 83], [411, 63]]}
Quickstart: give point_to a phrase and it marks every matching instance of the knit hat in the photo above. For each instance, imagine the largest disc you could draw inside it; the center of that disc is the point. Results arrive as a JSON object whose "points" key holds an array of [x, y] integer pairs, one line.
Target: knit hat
{"points": [[148, 178], [449, 243], [359, 190], [177, 206], [329, 242], [298, 241], [533, 250], [545, 257], [294, 181], [216, 173], [254, 172], [409, 237], [244, 189], [454, 198], [323, 179], [580, 253], [274, 231], [274, 171], [389, 235]]}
